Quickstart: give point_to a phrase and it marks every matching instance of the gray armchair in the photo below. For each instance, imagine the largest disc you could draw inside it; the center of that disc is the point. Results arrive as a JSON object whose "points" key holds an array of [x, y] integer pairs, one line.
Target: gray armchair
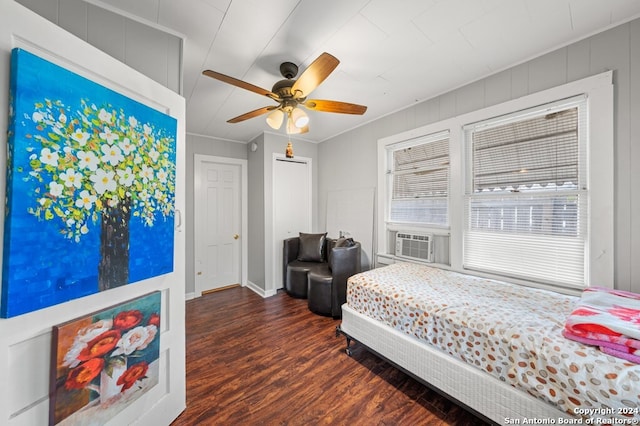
{"points": [[317, 268]]}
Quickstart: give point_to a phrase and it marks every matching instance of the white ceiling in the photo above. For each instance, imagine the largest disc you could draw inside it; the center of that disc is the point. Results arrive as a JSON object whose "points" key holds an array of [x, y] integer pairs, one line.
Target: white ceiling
{"points": [[393, 53]]}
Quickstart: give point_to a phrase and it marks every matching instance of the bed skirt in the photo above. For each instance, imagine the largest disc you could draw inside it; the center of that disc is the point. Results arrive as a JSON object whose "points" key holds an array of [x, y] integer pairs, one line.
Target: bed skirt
{"points": [[467, 385]]}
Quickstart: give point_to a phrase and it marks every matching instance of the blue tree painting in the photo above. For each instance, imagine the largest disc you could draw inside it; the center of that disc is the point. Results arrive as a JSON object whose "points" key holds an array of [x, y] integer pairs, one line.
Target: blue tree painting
{"points": [[90, 188]]}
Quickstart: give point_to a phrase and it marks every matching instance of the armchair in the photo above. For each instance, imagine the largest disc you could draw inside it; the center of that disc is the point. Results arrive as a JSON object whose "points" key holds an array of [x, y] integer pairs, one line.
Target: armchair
{"points": [[320, 274]]}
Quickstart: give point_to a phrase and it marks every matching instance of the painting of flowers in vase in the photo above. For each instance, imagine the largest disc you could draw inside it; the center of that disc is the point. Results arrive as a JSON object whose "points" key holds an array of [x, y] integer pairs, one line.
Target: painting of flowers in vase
{"points": [[90, 188], [104, 361]]}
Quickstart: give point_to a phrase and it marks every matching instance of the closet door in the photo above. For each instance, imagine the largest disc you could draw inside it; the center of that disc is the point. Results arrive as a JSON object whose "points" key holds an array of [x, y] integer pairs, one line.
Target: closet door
{"points": [[292, 198]]}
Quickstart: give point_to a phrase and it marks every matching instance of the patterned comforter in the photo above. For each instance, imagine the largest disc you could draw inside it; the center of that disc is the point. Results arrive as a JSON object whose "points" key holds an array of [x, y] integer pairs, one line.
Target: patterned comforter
{"points": [[511, 332]]}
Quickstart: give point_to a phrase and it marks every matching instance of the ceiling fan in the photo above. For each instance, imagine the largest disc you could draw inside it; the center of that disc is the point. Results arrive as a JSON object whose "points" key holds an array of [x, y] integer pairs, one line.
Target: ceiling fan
{"points": [[291, 93]]}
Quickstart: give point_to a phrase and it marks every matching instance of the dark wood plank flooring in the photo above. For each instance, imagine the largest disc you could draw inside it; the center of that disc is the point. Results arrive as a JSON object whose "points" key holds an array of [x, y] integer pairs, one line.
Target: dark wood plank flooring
{"points": [[255, 361]]}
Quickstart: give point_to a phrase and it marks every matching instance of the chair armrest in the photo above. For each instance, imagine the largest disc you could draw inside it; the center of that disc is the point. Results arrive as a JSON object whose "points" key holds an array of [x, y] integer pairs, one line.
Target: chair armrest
{"points": [[345, 262], [290, 249]]}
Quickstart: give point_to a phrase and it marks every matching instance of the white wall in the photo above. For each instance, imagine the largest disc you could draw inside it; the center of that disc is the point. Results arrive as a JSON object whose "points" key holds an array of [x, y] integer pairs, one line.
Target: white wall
{"points": [[349, 160], [25, 340]]}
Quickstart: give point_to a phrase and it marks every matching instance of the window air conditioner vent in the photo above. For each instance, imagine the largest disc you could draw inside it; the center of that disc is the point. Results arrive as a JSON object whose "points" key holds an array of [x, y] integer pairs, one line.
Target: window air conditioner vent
{"points": [[414, 246]]}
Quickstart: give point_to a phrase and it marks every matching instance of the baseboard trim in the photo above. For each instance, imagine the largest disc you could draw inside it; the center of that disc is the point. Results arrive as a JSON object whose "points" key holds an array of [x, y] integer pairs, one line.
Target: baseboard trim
{"points": [[250, 285], [260, 291], [214, 290]]}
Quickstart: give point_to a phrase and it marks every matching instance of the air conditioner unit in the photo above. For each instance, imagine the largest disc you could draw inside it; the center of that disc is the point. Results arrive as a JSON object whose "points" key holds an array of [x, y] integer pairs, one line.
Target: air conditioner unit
{"points": [[414, 246]]}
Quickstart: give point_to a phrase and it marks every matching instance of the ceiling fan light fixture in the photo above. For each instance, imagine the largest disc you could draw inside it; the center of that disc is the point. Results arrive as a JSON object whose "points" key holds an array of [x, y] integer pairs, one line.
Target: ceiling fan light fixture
{"points": [[299, 118], [292, 129], [275, 119]]}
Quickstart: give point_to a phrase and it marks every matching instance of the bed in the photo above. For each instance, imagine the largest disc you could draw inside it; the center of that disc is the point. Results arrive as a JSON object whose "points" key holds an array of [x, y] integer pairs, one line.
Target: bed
{"points": [[496, 348]]}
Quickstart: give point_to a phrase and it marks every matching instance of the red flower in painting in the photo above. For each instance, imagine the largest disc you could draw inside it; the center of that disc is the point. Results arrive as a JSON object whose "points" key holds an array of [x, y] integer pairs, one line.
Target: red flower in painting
{"points": [[133, 374], [100, 345], [83, 374], [127, 319], [108, 345], [154, 319]]}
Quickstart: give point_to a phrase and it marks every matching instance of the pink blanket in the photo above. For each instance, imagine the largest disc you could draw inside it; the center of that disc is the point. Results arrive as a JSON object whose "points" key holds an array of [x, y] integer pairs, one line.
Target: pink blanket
{"points": [[609, 319]]}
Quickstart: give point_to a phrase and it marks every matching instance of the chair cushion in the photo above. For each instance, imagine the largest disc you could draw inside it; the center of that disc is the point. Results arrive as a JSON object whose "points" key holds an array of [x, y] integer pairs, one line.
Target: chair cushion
{"points": [[297, 275], [320, 268], [311, 247]]}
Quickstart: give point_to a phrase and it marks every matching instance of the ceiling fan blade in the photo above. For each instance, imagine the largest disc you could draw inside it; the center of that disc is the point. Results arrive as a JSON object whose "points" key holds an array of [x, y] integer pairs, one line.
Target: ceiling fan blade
{"points": [[334, 106], [252, 114], [241, 84], [314, 75]]}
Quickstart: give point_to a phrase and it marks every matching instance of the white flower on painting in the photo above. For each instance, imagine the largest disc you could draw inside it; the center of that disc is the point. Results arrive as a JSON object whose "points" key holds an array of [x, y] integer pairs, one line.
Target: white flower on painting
{"points": [[86, 200], [144, 196], [125, 177], [71, 178], [80, 137], [162, 175], [104, 116], [133, 122], [49, 157], [126, 146], [111, 154], [147, 129], [37, 117], [103, 181], [109, 136], [154, 155], [88, 160], [159, 195], [146, 173], [55, 189], [92, 331], [62, 118], [71, 357], [135, 339]]}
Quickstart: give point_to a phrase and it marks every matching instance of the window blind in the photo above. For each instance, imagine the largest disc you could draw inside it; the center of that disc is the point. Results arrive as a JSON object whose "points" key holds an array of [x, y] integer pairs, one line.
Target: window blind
{"points": [[537, 151], [420, 182], [526, 201]]}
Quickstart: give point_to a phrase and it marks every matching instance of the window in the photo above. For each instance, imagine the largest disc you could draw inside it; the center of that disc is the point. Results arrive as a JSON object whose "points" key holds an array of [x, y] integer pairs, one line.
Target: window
{"points": [[520, 191], [419, 180], [526, 200]]}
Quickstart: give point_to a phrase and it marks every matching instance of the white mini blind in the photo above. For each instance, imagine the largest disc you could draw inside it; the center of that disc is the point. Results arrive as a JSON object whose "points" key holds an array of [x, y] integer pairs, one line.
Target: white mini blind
{"points": [[420, 181], [537, 151], [526, 209]]}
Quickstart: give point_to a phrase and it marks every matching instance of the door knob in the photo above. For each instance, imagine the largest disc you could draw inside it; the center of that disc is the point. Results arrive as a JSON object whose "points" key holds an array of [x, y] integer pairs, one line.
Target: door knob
{"points": [[236, 236]]}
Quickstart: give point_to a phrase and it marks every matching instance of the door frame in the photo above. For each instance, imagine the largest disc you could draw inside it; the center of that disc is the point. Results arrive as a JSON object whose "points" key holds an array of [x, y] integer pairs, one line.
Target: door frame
{"points": [[198, 160]]}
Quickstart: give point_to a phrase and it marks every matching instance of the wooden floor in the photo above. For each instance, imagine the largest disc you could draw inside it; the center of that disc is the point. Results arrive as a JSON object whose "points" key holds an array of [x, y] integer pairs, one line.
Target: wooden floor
{"points": [[255, 361]]}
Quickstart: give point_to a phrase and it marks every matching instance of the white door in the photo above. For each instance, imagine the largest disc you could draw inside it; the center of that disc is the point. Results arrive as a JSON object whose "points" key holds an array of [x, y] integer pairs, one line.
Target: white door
{"points": [[292, 196], [218, 225]]}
